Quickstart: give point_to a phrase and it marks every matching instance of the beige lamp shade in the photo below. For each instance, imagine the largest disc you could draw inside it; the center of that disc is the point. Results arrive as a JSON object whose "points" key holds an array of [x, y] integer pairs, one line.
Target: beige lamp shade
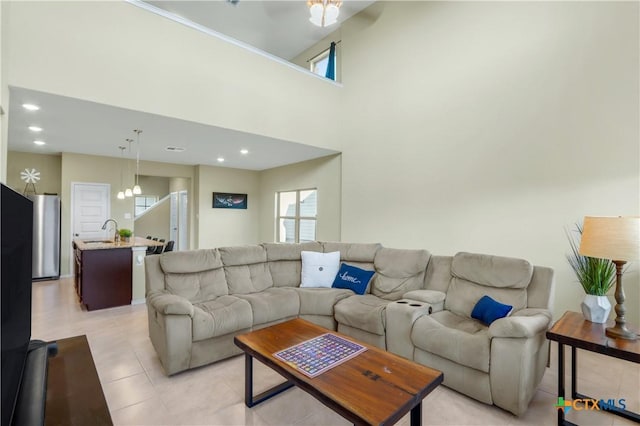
{"points": [[614, 238]]}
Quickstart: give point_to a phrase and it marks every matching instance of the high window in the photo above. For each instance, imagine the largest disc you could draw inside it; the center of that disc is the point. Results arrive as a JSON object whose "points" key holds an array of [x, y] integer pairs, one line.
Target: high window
{"points": [[318, 64], [143, 202], [296, 215]]}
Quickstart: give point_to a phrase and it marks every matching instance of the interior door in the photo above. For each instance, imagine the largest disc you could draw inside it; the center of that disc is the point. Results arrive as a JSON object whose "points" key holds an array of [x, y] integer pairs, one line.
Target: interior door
{"points": [[90, 208], [183, 235], [173, 220]]}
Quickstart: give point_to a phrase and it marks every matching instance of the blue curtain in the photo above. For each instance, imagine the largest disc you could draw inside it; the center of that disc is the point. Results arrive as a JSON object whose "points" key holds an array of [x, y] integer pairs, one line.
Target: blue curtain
{"points": [[331, 65]]}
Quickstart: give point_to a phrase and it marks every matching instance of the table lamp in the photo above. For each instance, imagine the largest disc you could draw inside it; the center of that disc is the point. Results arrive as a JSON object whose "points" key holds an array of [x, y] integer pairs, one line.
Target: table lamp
{"points": [[617, 239]]}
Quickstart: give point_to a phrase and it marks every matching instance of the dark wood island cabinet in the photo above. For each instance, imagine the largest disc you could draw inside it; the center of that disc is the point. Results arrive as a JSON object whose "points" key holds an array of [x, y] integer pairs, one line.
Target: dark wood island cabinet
{"points": [[103, 277], [104, 271]]}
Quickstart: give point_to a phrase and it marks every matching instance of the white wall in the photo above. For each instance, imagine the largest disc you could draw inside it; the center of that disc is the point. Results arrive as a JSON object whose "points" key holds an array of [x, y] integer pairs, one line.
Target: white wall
{"points": [[118, 54], [489, 127], [4, 97], [94, 169], [227, 227], [324, 175]]}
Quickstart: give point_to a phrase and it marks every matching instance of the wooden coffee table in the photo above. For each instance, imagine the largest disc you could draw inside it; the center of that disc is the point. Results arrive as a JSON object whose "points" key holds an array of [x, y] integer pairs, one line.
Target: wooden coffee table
{"points": [[375, 387]]}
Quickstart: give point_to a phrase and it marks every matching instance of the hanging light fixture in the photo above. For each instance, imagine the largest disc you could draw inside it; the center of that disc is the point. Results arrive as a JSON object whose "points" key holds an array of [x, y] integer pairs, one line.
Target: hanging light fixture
{"points": [[128, 192], [121, 193], [324, 12], [136, 188]]}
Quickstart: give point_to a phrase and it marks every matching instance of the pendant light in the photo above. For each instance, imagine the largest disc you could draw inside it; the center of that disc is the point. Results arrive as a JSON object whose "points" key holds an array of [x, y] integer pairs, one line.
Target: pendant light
{"points": [[121, 193], [128, 192], [136, 189]]}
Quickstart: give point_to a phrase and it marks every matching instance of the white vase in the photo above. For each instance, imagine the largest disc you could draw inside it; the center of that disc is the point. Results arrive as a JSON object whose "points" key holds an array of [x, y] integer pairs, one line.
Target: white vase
{"points": [[596, 308]]}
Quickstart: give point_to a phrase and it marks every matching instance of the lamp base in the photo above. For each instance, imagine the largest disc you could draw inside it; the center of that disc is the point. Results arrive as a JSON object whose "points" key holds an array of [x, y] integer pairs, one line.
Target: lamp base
{"points": [[621, 332]]}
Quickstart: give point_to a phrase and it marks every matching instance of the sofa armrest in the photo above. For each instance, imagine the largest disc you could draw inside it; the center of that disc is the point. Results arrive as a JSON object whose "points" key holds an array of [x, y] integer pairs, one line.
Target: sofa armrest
{"points": [[170, 304], [432, 297], [523, 323]]}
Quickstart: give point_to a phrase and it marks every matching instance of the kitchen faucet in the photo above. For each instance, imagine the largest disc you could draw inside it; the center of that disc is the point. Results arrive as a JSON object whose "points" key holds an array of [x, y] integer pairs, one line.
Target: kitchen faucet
{"points": [[116, 235]]}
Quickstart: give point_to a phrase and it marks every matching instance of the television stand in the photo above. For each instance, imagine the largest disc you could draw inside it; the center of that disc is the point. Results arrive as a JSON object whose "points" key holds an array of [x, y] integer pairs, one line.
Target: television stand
{"points": [[74, 392], [30, 403]]}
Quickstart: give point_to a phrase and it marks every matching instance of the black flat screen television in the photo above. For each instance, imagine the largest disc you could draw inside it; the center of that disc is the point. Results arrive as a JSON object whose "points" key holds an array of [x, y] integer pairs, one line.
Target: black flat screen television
{"points": [[16, 234]]}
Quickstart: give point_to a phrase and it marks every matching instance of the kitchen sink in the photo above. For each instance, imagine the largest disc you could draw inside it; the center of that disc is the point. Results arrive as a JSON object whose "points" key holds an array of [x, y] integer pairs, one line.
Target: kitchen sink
{"points": [[98, 242]]}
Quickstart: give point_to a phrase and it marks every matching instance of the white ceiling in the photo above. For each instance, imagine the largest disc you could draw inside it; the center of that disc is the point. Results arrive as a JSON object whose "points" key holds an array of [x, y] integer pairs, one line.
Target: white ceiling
{"points": [[78, 126], [281, 28]]}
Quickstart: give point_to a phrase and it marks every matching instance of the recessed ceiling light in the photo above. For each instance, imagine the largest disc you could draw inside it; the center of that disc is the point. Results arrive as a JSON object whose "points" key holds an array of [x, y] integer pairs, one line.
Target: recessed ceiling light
{"points": [[244, 151], [39, 142], [220, 159], [174, 149], [30, 107], [35, 128]]}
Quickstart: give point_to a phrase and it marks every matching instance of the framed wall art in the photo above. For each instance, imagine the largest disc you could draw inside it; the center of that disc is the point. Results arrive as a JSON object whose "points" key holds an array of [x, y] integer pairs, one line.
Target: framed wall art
{"points": [[227, 200]]}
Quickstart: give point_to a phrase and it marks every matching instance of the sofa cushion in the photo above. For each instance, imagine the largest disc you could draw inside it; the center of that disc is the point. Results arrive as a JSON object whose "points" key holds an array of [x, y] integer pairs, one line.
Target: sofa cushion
{"points": [[357, 254], [492, 271], [474, 276], [190, 261], [205, 281], [353, 278], [198, 286], [285, 261], [242, 255], [488, 310], [398, 271], [286, 273], [246, 269], [289, 251], [362, 312], [320, 301], [224, 315], [273, 304], [454, 337], [319, 269]]}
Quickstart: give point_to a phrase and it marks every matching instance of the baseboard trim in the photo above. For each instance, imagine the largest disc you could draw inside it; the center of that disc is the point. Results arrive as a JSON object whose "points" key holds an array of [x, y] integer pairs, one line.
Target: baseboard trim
{"points": [[138, 301]]}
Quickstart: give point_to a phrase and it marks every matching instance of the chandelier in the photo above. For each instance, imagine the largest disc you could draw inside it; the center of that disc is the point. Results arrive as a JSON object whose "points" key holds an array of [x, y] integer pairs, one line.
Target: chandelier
{"points": [[136, 189], [324, 12], [120, 195]]}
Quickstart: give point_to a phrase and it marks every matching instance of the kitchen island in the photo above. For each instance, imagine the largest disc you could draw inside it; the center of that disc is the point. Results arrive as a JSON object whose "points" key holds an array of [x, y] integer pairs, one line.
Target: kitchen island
{"points": [[104, 270]]}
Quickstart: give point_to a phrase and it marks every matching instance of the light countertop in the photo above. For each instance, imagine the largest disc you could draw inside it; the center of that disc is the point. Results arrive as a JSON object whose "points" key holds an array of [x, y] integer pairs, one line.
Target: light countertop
{"points": [[101, 244]]}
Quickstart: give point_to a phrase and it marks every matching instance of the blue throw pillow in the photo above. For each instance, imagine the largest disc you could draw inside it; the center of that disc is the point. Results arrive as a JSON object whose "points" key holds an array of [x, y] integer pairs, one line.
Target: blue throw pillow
{"points": [[352, 278], [488, 310]]}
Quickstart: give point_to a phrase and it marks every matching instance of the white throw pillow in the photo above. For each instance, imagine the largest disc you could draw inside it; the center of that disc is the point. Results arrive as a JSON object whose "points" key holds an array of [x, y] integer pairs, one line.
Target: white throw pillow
{"points": [[319, 269]]}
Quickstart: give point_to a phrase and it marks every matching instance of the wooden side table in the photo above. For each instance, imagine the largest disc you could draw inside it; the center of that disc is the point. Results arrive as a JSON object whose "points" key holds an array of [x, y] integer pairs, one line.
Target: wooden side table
{"points": [[573, 330]]}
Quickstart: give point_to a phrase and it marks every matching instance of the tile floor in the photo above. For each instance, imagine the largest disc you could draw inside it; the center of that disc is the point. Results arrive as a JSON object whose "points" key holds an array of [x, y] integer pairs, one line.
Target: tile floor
{"points": [[139, 393]]}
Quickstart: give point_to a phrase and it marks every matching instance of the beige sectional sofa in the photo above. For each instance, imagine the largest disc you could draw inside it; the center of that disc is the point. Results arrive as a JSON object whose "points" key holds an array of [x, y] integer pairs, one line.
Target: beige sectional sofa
{"points": [[416, 305]]}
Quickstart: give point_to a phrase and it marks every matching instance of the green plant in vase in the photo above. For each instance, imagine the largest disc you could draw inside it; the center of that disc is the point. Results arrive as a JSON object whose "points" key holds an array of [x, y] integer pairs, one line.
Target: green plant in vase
{"points": [[596, 276], [125, 234]]}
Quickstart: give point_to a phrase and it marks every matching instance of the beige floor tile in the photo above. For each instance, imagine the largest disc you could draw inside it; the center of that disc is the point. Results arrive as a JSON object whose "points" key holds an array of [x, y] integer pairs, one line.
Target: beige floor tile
{"points": [[138, 391], [323, 416], [541, 410], [289, 407], [128, 391], [149, 412], [234, 414], [197, 392]]}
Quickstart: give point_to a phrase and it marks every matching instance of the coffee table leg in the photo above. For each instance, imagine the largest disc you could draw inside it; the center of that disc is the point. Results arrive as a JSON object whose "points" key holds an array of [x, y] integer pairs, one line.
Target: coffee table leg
{"points": [[248, 380], [416, 415], [249, 399]]}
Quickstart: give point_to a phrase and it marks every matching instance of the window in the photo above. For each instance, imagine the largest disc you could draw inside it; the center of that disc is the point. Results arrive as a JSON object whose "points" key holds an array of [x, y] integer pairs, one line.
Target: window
{"points": [[296, 216], [143, 202], [318, 64]]}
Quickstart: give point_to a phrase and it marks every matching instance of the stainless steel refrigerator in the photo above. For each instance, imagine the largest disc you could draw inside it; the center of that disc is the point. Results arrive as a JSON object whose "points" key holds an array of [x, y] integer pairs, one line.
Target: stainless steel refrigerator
{"points": [[46, 236]]}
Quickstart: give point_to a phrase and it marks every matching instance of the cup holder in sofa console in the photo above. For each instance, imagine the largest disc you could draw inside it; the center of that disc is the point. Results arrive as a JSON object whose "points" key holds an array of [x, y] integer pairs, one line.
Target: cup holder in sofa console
{"points": [[400, 317]]}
